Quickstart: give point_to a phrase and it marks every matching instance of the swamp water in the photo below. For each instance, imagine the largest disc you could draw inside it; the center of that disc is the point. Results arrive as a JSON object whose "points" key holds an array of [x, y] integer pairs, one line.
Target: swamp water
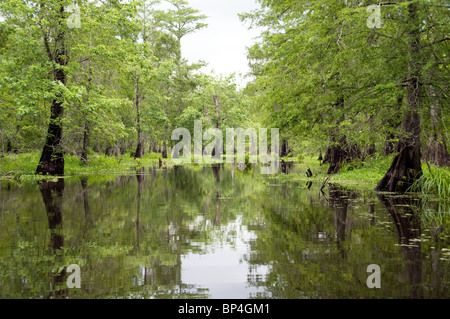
{"points": [[217, 232]]}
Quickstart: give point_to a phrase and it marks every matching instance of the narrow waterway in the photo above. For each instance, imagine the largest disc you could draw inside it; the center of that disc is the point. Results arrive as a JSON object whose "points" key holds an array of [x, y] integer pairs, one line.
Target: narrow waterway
{"points": [[217, 232]]}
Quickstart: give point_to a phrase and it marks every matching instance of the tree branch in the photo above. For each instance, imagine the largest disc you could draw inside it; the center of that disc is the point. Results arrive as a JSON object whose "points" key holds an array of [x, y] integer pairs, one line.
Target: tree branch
{"points": [[45, 36]]}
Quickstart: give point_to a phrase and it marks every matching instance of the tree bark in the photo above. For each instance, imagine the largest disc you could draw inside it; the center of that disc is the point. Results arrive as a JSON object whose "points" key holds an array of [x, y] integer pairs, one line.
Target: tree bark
{"points": [[84, 153], [285, 150], [52, 158], [139, 148], [339, 154], [394, 124], [86, 132], [389, 146], [335, 155], [406, 167]]}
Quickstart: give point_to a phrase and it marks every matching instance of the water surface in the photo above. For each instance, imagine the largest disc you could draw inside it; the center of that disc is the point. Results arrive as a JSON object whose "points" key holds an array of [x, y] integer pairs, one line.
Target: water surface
{"points": [[217, 232]]}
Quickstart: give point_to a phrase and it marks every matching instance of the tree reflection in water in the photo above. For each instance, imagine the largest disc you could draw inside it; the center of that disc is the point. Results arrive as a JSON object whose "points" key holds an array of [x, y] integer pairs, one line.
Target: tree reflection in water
{"points": [[144, 235], [408, 227], [339, 200], [52, 194]]}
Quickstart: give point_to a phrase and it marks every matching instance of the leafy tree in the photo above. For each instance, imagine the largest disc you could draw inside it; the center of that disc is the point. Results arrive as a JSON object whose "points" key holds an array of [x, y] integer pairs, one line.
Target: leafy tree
{"points": [[322, 72]]}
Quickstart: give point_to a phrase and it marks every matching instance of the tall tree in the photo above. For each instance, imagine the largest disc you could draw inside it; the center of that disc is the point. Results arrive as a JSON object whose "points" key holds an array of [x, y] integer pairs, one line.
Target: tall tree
{"points": [[179, 21], [324, 73], [52, 21]]}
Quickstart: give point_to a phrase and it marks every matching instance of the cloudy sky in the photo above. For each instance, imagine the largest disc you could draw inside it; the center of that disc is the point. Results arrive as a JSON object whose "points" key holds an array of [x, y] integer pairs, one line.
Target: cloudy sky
{"points": [[223, 43]]}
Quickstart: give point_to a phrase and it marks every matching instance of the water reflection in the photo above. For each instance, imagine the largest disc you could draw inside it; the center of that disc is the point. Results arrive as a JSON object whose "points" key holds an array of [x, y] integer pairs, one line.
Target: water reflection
{"points": [[339, 200], [409, 232], [85, 193], [52, 195], [216, 171], [139, 178], [216, 231]]}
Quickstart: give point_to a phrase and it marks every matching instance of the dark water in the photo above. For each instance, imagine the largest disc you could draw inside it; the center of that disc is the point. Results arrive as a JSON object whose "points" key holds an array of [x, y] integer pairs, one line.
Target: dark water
{"points": [[217, 232]]}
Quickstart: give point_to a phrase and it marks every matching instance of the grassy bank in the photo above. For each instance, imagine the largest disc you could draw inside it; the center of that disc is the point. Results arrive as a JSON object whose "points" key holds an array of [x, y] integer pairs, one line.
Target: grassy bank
{"points": [[352, 175], [366, 175], [24, 165], [434, 182]]}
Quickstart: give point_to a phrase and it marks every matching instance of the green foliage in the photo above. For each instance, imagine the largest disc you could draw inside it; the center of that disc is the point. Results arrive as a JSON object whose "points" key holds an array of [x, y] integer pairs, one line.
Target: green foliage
{"points": [[124, 52], [434, 182], [321, 73], [362, 175], [24, 165]]}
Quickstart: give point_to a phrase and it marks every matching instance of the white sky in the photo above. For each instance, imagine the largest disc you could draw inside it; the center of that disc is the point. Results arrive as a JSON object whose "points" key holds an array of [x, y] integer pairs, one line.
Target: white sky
{"points": [[223, 43]]}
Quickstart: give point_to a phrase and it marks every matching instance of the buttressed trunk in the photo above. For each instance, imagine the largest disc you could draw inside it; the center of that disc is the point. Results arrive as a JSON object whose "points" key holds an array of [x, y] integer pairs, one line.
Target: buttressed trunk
{"points": [[339, 153], [406, 166]]}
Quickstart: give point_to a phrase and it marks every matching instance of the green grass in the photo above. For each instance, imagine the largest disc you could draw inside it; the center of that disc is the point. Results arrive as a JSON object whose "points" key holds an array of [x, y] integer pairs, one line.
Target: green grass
{"points": [[434, 182], [23, 166], [358, 175], [364, 175]]}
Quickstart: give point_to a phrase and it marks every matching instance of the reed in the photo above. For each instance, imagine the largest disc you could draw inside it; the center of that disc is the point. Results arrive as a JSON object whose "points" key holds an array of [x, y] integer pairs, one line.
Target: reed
{"points": [[434, 182]]}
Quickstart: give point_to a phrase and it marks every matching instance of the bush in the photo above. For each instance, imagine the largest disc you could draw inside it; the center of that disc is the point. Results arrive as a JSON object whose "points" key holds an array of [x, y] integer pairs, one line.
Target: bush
{"points": [[25, 163]]}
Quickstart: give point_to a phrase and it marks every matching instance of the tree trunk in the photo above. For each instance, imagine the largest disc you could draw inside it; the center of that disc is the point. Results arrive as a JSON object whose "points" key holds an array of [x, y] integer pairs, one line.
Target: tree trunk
{"points": [[372, 150], [164, 152], [394, 124], [339, 154], [285, 150], [52, 158], [86, 132], [217, 103], [84, 153], [335, 155], [436, 152], [139, 149], [389, 146], [406, 167]]}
